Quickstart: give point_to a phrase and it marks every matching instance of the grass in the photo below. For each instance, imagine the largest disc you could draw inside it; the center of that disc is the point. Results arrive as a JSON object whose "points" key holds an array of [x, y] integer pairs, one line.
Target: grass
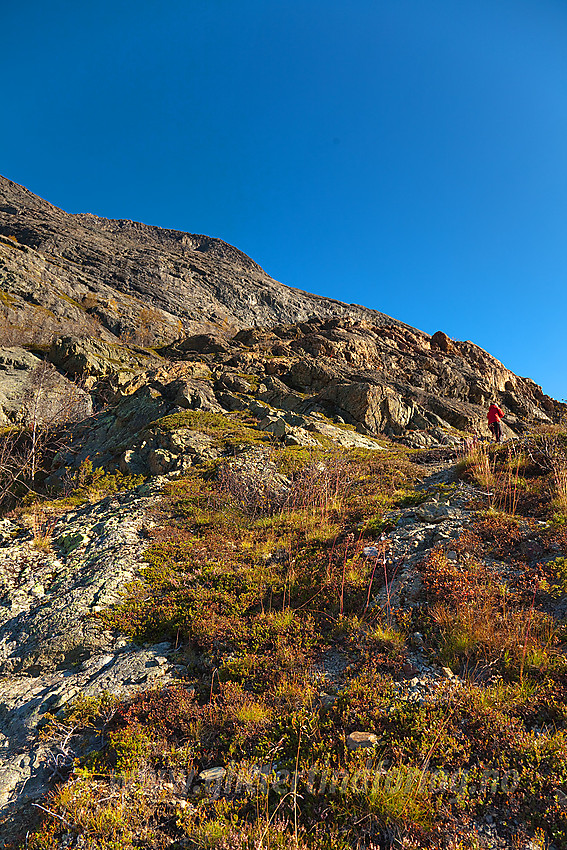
{"points": [[528, 478], [228, 560], [483, 625], [229, 430], [496, 470], [257, 593]]}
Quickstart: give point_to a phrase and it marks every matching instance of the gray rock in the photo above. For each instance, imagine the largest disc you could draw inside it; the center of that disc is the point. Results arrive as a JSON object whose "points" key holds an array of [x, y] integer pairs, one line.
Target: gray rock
{"points": [[72, 540], [377, 407], [342, 436], [434, 512], [233, 383], [101, 549], [32, 390], [190, 394], [213, 774], [88, 356]]}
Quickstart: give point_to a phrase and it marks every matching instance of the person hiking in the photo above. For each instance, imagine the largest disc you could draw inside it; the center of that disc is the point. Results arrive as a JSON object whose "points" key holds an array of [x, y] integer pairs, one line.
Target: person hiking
{"points": [[494, 416]]}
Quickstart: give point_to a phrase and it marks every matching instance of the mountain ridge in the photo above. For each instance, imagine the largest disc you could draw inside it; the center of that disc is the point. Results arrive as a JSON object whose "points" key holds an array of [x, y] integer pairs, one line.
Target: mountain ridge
{"points": [[187, 278], [67, 276]]}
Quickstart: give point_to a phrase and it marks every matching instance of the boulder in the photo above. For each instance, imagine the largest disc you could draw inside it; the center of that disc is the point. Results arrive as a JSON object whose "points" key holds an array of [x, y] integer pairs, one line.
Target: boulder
{"points": [[107, 437], [16, 366], [292, 435], [378, 408], [208, 343], [191, 394], [32, 390], [308, 375], [158, 451], [441, 341], [233, 383], [94, 357], [341, 436]]}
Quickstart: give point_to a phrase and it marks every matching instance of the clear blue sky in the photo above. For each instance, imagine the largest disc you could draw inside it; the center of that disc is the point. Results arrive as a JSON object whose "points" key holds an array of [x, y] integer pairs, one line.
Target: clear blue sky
{"points": [[409, 155]]}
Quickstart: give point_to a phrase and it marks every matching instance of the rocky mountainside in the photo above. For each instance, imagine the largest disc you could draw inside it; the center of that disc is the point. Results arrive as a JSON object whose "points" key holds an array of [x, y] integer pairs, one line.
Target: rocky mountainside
{"points": [[147, 297], [259, 583], [394, 629], [122, 280]]}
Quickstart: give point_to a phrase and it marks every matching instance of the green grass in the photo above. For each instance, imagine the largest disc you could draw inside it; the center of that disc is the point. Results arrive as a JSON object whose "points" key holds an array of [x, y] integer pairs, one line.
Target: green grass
{"points": [[230, 429]]}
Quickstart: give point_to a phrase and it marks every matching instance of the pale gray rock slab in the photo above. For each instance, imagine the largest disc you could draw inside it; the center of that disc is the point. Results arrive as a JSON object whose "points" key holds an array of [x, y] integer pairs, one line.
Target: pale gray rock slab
{"points": [[51, 650], [97, 550]]}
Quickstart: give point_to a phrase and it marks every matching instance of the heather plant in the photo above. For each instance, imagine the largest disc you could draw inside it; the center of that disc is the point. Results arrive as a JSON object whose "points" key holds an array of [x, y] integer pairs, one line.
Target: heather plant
{"points": [[256, 594], [556, 581], [479, 622], [87, 480]]}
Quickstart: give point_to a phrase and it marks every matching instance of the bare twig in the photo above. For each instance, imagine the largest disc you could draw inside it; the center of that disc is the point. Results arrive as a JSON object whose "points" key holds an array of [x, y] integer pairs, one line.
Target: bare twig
{"points": [[54, 814]]}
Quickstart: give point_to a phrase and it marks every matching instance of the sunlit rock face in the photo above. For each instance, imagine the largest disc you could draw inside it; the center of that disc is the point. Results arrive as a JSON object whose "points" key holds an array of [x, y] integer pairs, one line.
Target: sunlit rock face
{"points": [[115, 302]]}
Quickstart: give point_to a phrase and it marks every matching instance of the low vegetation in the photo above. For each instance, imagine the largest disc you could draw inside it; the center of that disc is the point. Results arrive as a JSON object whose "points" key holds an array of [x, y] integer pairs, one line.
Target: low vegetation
{"points": [[257, 574]]}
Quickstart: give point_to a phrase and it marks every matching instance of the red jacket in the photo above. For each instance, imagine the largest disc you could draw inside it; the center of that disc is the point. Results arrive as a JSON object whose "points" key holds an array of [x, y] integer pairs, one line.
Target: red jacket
{"points": [[494, 414]]}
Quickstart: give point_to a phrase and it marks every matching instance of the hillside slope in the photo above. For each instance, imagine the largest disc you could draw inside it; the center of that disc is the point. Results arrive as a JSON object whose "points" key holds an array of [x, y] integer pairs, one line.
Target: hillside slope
{"points": [[131, 285], [63, 273], [263, 580]]}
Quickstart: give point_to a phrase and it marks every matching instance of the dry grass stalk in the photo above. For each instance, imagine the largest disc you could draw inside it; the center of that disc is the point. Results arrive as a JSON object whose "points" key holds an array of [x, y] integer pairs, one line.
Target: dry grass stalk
{"points": [[560, 479]]}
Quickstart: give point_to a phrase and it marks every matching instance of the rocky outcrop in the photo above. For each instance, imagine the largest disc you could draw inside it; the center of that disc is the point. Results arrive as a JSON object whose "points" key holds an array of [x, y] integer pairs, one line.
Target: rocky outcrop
{"points": [[396, 381], [95, 358], [32, 390], [106, 290], [51, 646], [371, 381]]}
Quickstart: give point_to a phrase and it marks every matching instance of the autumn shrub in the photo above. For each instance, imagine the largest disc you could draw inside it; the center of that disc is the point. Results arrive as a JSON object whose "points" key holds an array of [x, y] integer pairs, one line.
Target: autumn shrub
{"points": [[477, 622], [322, 485], [560, 480], [556, 581], [107, 818], [224, 561], [88, 480], [253, 483], [16, 465]]}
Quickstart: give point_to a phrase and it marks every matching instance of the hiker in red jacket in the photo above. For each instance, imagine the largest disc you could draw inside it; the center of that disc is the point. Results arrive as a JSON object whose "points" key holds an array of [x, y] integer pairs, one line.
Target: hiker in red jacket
{"points": [[494, 417]]}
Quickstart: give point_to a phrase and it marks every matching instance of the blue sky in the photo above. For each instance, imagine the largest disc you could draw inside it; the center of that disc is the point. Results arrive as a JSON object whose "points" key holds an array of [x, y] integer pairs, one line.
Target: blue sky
{"points": [[409, 155]]}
